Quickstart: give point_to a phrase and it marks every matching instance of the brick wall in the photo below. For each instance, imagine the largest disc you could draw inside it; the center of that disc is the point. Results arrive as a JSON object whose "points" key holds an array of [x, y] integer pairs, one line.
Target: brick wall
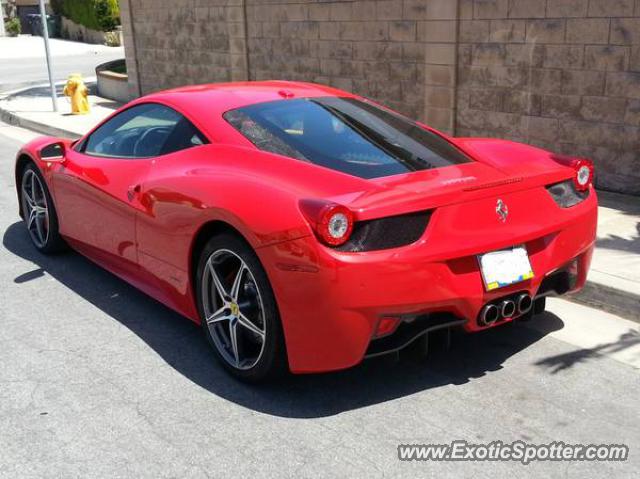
{"points": [[170, 43], [399, 52], [562, 74]]}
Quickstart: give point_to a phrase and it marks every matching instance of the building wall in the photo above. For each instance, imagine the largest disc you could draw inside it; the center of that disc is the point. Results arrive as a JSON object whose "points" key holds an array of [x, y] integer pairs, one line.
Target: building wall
{"points": [[169, 43], [561, 74], [399, 52]]}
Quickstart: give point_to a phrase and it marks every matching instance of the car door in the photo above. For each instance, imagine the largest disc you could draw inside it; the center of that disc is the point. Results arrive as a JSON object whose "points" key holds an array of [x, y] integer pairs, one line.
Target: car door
{"points": [[98, 187]]}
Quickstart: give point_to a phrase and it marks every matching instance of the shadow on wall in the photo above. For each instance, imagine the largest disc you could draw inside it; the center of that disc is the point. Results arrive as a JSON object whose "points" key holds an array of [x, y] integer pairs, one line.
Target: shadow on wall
{"points": [[180, 343]]}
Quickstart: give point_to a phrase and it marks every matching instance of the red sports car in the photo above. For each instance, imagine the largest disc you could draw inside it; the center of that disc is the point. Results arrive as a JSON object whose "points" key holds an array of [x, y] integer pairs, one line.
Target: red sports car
{"points": [[308, 228]]}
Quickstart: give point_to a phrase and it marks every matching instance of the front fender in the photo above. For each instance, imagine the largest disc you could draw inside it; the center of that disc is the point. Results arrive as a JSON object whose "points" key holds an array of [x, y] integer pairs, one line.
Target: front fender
{"points": [[28, 153]]}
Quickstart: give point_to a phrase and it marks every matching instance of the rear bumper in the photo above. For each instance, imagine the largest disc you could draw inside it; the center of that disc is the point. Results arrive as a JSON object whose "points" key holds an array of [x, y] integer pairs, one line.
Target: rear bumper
{"points": [[330, 302]]}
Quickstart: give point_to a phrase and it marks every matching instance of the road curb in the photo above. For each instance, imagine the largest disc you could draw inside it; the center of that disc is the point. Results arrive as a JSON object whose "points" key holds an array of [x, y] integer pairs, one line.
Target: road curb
{"points": [[11, 118], [612, 300]]}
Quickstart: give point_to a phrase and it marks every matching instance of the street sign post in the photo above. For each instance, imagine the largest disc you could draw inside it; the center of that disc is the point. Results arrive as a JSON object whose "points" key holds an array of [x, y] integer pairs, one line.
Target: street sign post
{"points": [[2, 32], [45, 36]]}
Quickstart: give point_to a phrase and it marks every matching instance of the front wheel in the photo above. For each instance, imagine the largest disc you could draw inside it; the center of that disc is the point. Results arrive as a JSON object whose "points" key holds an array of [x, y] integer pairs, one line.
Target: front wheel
{"points": [[238, 309], [39, 212]]}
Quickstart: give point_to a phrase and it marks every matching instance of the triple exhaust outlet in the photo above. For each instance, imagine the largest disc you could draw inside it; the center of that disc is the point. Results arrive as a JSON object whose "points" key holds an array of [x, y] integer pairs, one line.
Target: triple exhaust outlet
{"points": [[506, 308]]}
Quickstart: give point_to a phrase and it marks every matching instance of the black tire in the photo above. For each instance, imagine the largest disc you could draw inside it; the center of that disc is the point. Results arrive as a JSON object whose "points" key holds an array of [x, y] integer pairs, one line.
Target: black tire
{"points": [[272, 361], [52, 242]]}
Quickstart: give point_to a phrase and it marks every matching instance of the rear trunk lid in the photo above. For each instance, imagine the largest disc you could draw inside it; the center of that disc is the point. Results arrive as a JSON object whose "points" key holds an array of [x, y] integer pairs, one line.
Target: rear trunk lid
{"points": [[429, 189]]}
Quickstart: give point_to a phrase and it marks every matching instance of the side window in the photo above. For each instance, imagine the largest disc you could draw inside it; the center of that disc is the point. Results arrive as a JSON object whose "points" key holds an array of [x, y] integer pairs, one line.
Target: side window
{"points": [[143, 131]]}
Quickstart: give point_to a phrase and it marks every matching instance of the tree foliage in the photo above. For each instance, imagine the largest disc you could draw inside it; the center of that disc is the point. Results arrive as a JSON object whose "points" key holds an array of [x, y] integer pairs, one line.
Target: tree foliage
{"points": [[103, 15], [12, 27]]}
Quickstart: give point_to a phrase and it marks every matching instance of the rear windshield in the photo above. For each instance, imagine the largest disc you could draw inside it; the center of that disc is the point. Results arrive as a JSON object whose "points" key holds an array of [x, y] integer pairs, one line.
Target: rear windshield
{"points": [[344, 134]]}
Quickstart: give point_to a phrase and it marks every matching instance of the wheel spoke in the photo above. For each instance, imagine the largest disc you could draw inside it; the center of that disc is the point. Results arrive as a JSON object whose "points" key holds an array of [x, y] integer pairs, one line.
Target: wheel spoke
{"points": [[39, 228], [216, 281], [221, 315], [32, 216], [33, 188], [237, 282], [233, 335], [246, 322], [30, 203]]}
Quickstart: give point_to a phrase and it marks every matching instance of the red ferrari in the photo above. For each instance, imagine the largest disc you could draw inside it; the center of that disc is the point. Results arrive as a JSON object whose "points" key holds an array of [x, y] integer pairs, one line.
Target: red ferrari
{"points": [[308, 228]]}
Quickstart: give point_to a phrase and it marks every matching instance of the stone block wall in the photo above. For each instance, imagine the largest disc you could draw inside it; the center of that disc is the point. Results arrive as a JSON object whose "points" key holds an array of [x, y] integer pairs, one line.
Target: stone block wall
{"points": [[399, 52], [561, 74], [169, 43]]}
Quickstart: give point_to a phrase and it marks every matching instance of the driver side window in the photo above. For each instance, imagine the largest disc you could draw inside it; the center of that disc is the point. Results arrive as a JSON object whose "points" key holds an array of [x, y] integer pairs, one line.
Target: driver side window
{"points": [[143, 131]]}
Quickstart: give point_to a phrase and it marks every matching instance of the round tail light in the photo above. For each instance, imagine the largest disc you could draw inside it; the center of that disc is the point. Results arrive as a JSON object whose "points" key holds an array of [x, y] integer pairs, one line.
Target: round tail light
{"points": [[335, 225], [584, 174], [332, 223], [583, 168]]}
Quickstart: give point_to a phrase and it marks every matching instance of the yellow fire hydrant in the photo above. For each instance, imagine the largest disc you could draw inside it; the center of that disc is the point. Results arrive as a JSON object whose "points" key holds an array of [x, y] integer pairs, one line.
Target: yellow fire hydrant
{"points": [[78, 92]]}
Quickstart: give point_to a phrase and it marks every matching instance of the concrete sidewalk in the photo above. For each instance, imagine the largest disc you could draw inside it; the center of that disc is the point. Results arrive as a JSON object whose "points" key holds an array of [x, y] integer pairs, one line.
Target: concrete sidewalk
{"points": [[32, 108], [614, 280]]}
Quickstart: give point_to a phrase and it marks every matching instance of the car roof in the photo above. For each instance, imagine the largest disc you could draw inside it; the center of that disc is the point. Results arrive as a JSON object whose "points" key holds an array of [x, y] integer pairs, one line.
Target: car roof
{"points": [[208, 99]]}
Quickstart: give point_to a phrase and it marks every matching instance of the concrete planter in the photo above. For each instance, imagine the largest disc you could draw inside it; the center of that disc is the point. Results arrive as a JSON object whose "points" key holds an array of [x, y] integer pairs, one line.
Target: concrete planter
{"points": [[74, 31], [111, 84]]}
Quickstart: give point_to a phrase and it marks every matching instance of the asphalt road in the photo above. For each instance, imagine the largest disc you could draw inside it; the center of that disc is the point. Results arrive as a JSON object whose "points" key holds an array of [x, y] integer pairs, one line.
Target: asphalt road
{"points": [[99, 380], [18, 73]]}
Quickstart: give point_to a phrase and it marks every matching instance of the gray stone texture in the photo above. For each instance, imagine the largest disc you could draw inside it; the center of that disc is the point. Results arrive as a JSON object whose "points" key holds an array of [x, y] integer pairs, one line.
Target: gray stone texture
{"points": [[575, 84], [560, 74]]}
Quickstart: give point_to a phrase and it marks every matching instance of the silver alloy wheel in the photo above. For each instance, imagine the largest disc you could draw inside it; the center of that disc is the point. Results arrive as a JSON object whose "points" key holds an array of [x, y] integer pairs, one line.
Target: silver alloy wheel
{"points": [[233, 309], [35, 208]]}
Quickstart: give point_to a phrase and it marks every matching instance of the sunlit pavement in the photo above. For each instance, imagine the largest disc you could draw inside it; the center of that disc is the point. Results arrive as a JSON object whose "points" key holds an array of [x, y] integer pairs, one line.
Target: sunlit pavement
{"points": [[22, 59], [99, 380]]}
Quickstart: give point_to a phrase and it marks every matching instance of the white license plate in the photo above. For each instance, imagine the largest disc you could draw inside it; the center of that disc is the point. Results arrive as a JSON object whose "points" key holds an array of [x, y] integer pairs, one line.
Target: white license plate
{"points": [[505, 267]]}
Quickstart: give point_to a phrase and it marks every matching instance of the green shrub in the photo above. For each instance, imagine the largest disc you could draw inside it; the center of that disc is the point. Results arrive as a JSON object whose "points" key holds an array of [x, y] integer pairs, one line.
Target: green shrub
{"points": [[112, 39], [12, 27], [103, 15]]}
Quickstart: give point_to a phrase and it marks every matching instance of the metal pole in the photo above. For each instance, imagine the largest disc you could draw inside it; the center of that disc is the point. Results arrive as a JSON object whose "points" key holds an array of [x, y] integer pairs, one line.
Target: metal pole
{"points": [[45, 36], [2, 32]]}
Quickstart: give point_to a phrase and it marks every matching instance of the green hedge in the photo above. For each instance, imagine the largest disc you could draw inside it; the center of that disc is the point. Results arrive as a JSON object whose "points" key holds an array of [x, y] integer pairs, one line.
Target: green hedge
{"points": [[103, 15], [12, 27]]}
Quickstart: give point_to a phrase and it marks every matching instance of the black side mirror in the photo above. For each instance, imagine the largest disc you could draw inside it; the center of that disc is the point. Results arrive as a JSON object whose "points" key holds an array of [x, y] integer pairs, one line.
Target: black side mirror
{"points": [[52, 153]]}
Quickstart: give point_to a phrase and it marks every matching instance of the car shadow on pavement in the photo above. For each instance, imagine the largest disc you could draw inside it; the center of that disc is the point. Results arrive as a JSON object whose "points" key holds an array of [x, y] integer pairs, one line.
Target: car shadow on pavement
{"points": [[180, 343]]}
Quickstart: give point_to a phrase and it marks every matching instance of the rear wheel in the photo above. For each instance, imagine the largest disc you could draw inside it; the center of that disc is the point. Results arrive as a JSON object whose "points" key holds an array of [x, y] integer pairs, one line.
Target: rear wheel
{"points": [[39, 212], [238, 309]]}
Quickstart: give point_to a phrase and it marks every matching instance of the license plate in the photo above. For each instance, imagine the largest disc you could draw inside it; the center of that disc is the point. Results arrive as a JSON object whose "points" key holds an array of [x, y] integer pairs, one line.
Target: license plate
{"points": [[505, 267]]}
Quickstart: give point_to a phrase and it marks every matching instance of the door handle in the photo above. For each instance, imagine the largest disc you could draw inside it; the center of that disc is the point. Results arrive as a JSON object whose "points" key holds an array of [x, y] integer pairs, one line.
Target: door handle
{"points": [[133, 191]]}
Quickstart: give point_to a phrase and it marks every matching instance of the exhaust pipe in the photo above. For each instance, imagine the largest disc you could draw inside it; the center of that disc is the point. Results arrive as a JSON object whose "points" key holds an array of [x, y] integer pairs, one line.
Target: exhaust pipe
{"points": [[507, 308], [489, 314], [524, 303]]}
